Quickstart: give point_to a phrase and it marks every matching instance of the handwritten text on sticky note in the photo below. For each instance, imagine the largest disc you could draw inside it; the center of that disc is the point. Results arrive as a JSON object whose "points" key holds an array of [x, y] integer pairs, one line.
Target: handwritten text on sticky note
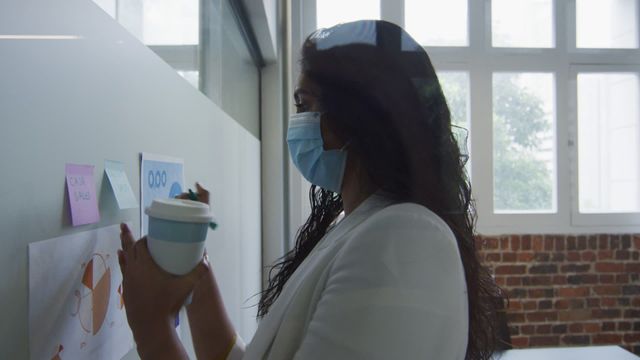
{"points": [[120, 184], [82, 194]]}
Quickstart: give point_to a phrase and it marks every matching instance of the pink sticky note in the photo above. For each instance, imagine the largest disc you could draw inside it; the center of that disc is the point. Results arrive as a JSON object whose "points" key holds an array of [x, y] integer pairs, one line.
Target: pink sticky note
{"points": [[82, 194]]}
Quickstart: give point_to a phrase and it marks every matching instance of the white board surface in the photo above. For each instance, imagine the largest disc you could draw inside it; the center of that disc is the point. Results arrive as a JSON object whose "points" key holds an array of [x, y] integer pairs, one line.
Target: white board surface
{"points": [[81, 89]]}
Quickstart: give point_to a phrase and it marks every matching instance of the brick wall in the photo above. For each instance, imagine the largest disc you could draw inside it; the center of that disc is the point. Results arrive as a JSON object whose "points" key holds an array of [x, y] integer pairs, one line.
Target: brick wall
{"points": [[568, 290]]}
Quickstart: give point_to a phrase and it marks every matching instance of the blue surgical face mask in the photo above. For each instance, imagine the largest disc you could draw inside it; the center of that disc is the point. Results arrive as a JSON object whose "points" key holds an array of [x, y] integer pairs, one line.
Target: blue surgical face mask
{"points": [[324, 168]]}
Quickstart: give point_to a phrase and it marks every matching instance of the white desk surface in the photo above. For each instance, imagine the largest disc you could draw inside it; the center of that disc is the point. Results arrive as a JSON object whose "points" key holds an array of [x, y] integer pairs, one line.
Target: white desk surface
{"points": [[610, 352]]}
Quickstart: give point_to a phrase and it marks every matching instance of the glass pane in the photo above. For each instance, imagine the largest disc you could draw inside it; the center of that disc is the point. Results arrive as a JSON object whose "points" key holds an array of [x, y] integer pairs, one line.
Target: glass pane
{"points": [[523, 143], [172, 30], [193, 77], [522, 23], [170, 22], [332, 12], [239, 81], [607, 24], [129, 14], [455, 85], [169, 27], [608, 142], [109, 6], [157, 22], [436, 22]]}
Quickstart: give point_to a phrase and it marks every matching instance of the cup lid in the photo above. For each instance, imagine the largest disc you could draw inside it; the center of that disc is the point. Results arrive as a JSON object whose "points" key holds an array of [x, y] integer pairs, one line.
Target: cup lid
{"points": [[180, 210]]}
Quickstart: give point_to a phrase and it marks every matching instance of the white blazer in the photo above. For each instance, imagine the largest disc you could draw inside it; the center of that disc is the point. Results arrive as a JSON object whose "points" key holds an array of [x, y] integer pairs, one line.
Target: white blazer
{"points": [[386, 282]]}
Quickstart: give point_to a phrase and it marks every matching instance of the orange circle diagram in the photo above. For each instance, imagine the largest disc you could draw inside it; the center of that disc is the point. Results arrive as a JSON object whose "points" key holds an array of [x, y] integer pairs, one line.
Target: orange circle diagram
{"points": [[93, 296]]}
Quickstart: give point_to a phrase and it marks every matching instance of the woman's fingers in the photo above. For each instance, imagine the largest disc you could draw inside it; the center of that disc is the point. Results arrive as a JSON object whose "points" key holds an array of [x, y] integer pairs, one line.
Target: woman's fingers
{"points": [[199, 271], [201, 189], [144, 247], [122, 261], [141, 250], [203, 194], [126, 237]]}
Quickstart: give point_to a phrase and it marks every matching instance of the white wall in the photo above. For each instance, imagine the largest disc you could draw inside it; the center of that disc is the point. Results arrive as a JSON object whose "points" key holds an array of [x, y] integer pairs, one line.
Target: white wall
{"points": [[106, 96]]}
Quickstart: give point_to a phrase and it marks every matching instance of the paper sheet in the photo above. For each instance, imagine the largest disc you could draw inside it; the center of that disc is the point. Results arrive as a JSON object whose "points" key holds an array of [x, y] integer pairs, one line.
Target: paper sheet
{"points": [[75, 305], [120, 184], [160, 177], [81, 189]]}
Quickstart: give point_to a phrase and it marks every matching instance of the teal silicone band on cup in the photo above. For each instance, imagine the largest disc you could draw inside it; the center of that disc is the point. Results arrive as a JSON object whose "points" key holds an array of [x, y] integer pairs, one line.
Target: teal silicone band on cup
{"points": [[176, 231]]}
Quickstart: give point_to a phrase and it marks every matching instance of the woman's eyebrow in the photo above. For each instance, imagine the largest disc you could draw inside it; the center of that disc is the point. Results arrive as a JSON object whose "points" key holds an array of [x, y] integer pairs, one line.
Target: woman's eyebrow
{"points": [[299, 92], [302, 91]]}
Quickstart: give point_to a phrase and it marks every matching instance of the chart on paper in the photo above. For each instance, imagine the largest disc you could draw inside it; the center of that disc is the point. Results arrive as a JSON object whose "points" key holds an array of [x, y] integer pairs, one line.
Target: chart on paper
{"points": [[93, 294], [76, 310]]}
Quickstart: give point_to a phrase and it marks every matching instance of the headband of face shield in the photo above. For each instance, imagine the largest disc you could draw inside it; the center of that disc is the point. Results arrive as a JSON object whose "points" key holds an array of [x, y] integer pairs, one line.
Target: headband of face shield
{"points": [[390, 38]]}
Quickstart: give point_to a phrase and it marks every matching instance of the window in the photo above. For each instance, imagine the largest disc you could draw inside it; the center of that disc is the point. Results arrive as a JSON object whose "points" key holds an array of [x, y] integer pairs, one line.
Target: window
{"points": [[157, 22], [205, 42], [522, 23], [455, 85], [109, 6], [523, 143], [607, 24], [608, 142], [169, 28], [170, 22], [550, 93], [436, 22], [191, 76], [332, 12]]}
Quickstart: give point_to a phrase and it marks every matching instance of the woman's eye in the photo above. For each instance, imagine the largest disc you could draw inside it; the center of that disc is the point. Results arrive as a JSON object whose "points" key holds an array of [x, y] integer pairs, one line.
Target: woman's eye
{"points": [[299, 107]]}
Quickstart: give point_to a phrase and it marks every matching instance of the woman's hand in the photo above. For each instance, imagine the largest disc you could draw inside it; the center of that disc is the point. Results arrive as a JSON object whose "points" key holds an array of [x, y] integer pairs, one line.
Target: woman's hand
{"points": [[202, 194], [152, 296]]}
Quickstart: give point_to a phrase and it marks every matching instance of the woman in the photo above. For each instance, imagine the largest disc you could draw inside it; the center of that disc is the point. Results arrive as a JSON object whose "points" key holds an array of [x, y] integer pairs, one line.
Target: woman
{"points": [[399, 276]]}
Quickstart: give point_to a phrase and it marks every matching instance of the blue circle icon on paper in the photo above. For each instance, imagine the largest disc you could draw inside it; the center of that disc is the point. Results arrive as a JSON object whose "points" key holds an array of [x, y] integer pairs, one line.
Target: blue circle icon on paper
{"points": [[176, 190]]}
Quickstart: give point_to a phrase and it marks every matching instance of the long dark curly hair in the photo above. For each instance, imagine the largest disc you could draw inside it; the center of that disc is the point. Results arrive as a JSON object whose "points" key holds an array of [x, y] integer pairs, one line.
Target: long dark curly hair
{"points": [[385, 98]]}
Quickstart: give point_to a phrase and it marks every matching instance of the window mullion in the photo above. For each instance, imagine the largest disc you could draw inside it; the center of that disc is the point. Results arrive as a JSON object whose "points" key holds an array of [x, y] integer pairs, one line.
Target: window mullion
{"points": [[564, 32], [392, 11], [481, 129], [480, 107], [479, 25]]}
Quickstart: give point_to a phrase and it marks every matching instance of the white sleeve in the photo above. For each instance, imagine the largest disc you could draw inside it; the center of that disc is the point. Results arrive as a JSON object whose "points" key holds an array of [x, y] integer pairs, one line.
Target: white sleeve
{"points": [[395, 291], [237, 351]]}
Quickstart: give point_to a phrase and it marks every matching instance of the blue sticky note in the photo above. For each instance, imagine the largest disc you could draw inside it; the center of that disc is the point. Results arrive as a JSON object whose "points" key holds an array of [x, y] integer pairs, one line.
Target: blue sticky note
{"points": [[120, 184]]}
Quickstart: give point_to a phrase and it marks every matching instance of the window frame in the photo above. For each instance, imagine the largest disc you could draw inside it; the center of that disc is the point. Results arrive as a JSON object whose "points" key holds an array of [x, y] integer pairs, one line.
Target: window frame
{"points": [[179, 57], [480, 60]]}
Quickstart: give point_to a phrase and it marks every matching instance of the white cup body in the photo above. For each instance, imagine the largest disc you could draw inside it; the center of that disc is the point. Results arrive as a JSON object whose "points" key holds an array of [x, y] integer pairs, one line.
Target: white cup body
{"points": [[177, 247], [174, 257]]}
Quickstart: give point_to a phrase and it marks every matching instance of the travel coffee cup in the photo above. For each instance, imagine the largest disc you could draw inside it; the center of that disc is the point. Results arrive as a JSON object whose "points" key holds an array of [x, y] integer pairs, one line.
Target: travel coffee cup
{"points": [[177, 234]]}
